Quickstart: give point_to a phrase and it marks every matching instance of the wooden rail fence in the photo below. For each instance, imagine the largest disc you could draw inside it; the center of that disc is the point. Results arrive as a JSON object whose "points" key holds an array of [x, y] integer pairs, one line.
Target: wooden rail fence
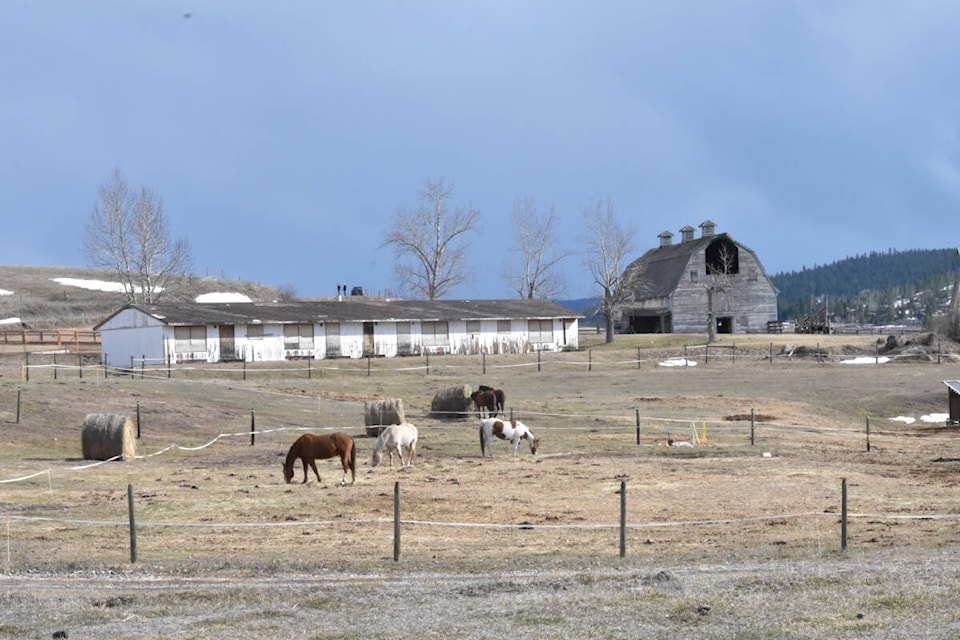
{"points": [[71, 340]]}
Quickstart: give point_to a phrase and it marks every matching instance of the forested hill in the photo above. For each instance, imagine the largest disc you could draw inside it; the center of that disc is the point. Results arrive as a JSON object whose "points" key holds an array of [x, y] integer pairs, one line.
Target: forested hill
{"points": [[871, 280]]}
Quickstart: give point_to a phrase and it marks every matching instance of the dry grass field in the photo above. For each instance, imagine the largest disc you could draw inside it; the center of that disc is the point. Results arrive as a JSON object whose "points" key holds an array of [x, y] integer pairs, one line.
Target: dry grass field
{"points": [[723, 539]]}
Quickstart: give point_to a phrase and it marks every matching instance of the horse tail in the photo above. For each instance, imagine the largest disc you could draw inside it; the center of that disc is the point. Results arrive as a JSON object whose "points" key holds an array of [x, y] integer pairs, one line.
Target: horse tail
{"points": [[483, 442], [501, 399], [353, 460]]}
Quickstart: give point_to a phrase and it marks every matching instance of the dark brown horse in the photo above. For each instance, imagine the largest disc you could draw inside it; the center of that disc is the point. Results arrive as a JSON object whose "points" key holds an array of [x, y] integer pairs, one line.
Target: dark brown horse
{"points": [[485, 401], [500, 397], [310, 448]]}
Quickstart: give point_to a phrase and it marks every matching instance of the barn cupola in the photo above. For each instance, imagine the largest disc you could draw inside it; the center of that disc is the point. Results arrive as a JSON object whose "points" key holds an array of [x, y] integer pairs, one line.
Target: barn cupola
{"points": [[666, 238], [707, 229], [686, 234]]}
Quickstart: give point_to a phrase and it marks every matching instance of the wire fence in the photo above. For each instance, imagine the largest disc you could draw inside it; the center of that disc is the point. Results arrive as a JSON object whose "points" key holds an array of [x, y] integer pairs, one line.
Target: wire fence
{"points": [[41, 535], [64, 365]]}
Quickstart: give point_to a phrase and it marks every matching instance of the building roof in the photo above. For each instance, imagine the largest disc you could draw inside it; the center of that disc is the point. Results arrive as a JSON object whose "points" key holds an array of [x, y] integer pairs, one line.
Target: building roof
{"points": [[954, 385], [661, 269], [238, 313]]}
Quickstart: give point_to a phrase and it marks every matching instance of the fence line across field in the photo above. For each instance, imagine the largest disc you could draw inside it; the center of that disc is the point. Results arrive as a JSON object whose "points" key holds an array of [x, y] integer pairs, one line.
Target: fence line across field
{"points": [[154, 368], [398, 522]]}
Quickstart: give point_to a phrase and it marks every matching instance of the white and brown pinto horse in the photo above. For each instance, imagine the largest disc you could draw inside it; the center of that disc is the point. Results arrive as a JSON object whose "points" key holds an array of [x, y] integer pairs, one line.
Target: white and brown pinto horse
{"points": [[396, 438], [512, 430]]}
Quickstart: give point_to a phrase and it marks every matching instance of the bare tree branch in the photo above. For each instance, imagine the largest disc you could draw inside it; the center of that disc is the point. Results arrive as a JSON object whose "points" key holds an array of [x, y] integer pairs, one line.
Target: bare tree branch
{"points": [[535, 244], [427, 242], [128, 234], [608, 246]]}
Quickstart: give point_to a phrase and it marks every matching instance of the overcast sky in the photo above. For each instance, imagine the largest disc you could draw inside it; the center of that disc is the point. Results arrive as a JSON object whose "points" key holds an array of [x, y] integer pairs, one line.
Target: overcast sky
{"points": [[283, 136]]}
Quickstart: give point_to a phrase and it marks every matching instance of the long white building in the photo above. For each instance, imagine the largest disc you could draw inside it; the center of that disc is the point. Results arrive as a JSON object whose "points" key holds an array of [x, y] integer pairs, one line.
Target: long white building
{"points": [[264, 332]]}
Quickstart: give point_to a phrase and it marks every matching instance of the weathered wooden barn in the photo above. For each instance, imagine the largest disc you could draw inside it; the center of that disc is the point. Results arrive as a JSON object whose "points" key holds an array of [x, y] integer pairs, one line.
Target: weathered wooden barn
{"points": [[354, 328], [680, 287]]}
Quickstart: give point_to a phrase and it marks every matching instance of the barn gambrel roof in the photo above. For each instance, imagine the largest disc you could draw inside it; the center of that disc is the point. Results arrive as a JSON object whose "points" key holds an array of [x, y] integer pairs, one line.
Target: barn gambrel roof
{"points": [[659, 270], [239, 313]]}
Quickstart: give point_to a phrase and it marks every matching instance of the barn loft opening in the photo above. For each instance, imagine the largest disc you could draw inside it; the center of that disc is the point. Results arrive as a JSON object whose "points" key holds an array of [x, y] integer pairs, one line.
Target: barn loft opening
{"points": [[722, 257]]}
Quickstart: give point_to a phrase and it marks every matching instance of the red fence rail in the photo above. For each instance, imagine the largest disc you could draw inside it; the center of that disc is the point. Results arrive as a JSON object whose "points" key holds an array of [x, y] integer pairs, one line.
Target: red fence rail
{"points": [[71, 340]]}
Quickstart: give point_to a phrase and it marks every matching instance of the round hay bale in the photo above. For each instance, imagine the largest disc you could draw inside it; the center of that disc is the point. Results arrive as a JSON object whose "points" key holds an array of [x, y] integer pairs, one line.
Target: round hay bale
{"points": [[452, 403], [378, 413], [107, 436]]}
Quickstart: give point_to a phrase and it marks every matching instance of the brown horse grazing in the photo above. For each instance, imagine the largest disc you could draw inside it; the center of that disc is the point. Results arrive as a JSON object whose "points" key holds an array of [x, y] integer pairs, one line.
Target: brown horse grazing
{"points": [[310, 448]]}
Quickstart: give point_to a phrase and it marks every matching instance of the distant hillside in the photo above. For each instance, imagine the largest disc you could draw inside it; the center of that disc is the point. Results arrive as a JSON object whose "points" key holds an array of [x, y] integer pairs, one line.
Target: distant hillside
{"points": [[872, 288], [31, 294]]}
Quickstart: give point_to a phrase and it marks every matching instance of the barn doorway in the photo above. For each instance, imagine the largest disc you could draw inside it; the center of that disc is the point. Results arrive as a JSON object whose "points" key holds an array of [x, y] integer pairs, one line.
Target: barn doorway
{"points": [[725, 324], [660, 323], [228, 346]]}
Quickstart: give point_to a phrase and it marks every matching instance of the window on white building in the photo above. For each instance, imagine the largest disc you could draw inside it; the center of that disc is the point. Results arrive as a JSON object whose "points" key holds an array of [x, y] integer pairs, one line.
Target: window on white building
{"points": [[435, 334], [540, 331], [190, 339], [297, 336]]}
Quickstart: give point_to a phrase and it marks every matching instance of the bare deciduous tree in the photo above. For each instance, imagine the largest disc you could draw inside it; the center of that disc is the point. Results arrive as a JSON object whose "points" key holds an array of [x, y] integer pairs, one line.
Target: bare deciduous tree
{"points": [[608, 245], [716, 283], [427, 241], [128, 234], [538, 255]]}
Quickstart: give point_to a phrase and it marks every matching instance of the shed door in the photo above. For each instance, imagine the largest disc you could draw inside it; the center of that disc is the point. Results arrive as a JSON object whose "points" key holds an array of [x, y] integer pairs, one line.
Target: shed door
{"points": [[368, 339], [228, 349]]}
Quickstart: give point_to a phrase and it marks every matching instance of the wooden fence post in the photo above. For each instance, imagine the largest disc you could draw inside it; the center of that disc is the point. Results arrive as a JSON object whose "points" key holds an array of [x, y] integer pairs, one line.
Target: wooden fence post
{"points": [[843, 515], [253, 427], [133, 525], [396, 522], [623, 518], [138, 419], [637, 412], [868, 433], [752, 429], [18, 404]]}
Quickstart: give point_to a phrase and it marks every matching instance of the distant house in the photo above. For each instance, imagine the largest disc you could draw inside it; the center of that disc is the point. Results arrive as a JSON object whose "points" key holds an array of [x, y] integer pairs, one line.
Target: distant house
{"points": [[678, 286], [348, 328]]}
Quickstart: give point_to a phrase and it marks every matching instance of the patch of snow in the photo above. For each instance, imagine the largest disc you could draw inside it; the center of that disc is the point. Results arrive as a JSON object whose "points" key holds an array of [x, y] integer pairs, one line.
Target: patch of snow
{"points": [[904, 419], [93, 285], [866, 360], [4, 292], [678, 362], [10, 321], [935, 417], [222, 297]]}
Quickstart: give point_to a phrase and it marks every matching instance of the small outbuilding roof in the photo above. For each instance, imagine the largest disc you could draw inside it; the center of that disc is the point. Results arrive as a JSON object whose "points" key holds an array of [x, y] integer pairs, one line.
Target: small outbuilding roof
{"points": [[954, 385], [189, 313]]}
